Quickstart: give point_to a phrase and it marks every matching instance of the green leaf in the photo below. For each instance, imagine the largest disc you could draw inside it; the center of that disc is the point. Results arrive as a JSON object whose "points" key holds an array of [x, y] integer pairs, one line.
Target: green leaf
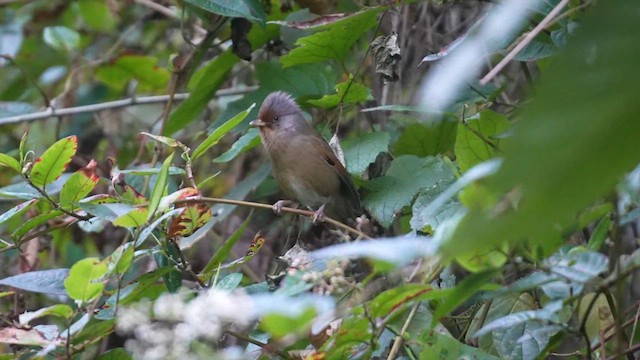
{"points": [[144, 69], [426, 139], [302, 81], [134, 218], [427, 221], [109, 212], [161, 187], [391, 300], [213, 74], [436, 345], [16, 210], [364, 150], [245, 143], [81, 283], [219, 132], [8, 161], [79, 185], [144, 234], [61, 38], [172, 278], [249, 9], [462, 291], [600, 233], [43, 281], [97, 15], [34, 222], [541, 47], [223, 251], [565, 152], [334, 43], [406, 177], [115, 354], [476, 142], [356, 93], [60, 310], [120, 259], [279, 325], [229, 282], [48, 167]]}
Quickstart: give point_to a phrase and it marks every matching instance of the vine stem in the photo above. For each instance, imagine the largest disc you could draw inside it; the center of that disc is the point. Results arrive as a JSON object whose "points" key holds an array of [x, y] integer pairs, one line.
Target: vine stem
{"points": [[306, 213], [525, 41]]}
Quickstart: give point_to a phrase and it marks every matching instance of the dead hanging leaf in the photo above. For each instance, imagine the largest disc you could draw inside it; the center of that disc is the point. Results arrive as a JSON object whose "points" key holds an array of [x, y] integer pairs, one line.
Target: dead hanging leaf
{"points": [[386, 53], [241, 46], [192, 218], [334, 143]]}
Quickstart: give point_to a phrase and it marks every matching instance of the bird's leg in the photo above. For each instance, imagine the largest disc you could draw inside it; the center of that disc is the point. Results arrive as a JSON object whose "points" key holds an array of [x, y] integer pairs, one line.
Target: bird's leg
{"points": [[318, 216], [277, 207]]}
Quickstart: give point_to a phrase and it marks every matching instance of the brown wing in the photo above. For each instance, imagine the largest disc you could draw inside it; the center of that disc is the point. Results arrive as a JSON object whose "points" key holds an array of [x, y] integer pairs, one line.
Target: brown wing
{"points": [[347, 188]]}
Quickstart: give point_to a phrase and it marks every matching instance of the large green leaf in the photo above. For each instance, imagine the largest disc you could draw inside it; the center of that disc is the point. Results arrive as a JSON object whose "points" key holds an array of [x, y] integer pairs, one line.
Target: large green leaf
{"points": [[97, 15], [573, 142], [48, 167], [334, 43], [406, 176], [426, 139], [82, 284], [347, 92], [476, 142], [249, 9], [144, 69], [43, 281], [364, 150]]}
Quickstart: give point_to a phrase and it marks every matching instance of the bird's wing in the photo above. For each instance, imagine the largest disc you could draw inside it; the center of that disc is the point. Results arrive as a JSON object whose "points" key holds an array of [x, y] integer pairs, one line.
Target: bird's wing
{"points": [[347, 187]]}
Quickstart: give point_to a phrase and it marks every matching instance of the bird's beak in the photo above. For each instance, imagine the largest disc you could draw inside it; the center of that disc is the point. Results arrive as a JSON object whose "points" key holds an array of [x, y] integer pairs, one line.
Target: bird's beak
{"points": [[257, 123]]}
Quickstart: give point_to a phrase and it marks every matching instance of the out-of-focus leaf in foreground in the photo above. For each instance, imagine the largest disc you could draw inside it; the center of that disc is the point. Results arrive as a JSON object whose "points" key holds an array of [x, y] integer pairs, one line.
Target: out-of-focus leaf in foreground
{"points": [[573, 142]]}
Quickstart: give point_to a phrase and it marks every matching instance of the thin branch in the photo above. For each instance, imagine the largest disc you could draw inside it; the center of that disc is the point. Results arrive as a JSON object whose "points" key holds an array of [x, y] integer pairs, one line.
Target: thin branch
{"points": [[398, 342], [168, 13], [525, 41], [260, 344], [306, 213], [56, 205], [132, 101]]}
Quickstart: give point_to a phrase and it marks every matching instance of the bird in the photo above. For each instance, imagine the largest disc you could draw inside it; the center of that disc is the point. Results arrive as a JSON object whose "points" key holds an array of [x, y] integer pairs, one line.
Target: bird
{"points": [[303, 164]]}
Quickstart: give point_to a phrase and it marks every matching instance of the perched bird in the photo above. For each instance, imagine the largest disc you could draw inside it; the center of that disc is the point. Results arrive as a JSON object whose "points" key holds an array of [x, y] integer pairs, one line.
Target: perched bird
{"points": [[304, 165]]}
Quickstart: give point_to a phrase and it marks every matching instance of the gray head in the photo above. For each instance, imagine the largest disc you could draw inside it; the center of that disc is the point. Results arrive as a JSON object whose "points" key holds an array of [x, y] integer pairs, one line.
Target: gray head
{"points": [[279, 113]]}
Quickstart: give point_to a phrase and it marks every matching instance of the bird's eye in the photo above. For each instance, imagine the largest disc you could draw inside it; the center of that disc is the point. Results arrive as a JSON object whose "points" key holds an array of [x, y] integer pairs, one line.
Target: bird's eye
{"points": [[276, 118]]}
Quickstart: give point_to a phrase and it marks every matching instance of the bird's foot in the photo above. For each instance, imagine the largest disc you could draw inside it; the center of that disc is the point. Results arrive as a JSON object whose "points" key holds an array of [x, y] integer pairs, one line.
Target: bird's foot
{"points": [[319, 216], [277, 207]]}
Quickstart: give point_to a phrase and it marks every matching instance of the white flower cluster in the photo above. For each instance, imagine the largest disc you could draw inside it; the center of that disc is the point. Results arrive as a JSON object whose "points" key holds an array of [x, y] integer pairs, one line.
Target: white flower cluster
{"points": [[174, 327]]}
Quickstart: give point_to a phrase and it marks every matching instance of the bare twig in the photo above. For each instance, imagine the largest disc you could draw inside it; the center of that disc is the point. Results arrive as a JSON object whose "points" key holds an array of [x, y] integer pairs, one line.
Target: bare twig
{"points": [[132, 101], [168, 13], [306, 213], [524, 42]]}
